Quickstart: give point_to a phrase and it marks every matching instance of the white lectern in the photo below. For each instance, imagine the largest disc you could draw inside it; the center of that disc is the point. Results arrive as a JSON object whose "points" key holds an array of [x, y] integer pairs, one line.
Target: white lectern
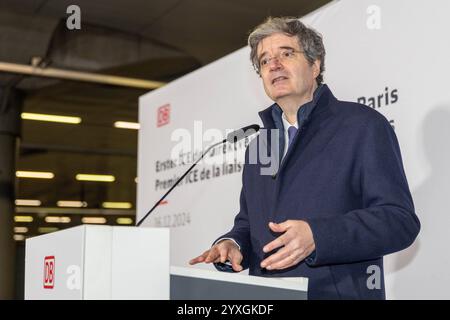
{"points": [[104, 262], [98, 262]]}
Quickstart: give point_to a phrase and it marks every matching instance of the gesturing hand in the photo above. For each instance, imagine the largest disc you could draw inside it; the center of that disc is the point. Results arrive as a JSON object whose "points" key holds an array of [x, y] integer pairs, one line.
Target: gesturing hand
{"points": [[221, 252], [297, 242]]}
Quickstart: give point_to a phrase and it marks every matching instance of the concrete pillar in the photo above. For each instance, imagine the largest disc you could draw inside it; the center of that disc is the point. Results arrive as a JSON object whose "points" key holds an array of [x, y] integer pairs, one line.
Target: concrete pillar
{"points": [[10, 105]]}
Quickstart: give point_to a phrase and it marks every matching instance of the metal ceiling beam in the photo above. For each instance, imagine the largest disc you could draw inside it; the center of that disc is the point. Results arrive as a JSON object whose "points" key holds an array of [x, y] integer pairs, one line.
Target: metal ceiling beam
{"points": [[79, 76]]}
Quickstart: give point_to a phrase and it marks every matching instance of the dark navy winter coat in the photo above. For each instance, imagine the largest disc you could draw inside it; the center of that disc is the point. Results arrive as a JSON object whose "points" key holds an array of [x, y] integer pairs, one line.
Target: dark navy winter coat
{"points": [[343, 175]]}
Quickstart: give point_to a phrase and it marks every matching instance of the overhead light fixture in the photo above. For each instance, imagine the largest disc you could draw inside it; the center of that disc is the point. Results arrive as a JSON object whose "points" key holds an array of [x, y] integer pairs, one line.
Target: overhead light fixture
{"points": [[19, 237], [47, 229], [20, 229], [50, 118], [57, 219], [95, 177], [23, 218], [93, 220], [28, 202], [117, 205], [124, 221], [35, 174], [71, 204], [127, 125]]}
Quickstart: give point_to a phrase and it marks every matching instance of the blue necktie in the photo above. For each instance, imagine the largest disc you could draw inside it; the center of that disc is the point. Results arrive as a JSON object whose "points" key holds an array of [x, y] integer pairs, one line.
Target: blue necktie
{"points": [[291, 134]]}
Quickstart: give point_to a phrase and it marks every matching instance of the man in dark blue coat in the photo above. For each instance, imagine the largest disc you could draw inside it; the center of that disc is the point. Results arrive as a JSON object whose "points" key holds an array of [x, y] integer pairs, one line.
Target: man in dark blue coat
{"points": [[334, 198]]}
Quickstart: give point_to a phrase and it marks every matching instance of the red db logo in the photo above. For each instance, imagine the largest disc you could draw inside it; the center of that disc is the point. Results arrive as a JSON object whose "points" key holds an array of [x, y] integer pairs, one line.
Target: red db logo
{"points": [[49, 272], [163, 115]]}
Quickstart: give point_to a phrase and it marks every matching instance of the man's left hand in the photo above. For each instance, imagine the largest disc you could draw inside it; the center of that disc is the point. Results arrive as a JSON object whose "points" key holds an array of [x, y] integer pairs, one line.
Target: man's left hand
{"points": [[297, 242]]}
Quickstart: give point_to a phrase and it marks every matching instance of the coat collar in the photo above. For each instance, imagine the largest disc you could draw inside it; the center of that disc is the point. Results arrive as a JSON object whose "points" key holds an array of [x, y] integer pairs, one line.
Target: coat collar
{"points": [[271, 117]]}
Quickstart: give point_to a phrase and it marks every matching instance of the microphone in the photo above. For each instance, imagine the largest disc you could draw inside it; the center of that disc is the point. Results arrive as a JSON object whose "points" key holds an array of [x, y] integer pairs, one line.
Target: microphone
{"points": [[242, 133], [232, 137]]}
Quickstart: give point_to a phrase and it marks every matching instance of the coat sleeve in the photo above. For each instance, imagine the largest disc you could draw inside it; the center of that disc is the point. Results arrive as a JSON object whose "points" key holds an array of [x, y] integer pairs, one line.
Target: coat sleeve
{"points": [[386, 221], [240, 232]]}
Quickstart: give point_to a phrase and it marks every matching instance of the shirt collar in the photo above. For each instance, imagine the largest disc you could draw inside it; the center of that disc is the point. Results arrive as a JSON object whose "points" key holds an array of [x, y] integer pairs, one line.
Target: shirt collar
{"points": [[286, 123]]}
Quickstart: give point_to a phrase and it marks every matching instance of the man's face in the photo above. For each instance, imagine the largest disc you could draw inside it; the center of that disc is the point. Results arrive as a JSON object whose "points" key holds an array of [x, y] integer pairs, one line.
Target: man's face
{"points": [[292, 76]]}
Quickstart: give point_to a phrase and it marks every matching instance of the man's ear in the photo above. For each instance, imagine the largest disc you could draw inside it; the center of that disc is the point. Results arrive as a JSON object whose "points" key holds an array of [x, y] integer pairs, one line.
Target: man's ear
{"points": [[316, 68]]}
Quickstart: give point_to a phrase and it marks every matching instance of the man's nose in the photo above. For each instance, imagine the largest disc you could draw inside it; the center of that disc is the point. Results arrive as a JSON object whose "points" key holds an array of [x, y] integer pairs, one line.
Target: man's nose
{"points": [[275, 64]]}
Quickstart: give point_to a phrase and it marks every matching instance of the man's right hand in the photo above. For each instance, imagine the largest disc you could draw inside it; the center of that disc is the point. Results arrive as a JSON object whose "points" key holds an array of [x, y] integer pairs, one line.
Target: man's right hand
{"points": [[221, 252]]}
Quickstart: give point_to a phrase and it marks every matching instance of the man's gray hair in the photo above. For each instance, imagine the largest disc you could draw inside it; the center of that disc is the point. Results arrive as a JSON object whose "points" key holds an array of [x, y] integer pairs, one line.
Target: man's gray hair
{"points": [[310, 40]]}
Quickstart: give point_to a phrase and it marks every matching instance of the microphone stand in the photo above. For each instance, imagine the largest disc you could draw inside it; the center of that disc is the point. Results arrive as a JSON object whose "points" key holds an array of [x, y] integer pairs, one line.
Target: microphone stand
{"points": [[179, 180]]}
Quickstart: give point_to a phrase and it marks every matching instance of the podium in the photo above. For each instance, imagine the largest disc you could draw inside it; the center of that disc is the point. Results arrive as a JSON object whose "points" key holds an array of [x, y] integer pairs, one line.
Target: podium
{"points": [[198, 284], [104, 262], [98, 262]]}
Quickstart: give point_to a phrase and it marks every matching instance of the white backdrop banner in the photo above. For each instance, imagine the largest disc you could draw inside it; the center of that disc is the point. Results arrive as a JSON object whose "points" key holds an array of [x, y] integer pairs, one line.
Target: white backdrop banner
{"points": [[389, 55]]}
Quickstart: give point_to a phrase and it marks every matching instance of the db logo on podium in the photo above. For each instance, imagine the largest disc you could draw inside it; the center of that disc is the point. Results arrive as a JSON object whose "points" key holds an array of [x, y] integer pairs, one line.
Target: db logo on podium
{"points": [[49, 272]]}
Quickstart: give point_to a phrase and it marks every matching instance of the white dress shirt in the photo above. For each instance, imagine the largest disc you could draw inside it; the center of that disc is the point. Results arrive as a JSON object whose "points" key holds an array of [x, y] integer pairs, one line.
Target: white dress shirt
{"points": [[286, 126]]}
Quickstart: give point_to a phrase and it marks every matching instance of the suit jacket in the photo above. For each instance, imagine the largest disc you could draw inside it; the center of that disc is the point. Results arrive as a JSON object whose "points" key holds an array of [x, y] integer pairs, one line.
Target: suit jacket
{"points": [[343, 174]]}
